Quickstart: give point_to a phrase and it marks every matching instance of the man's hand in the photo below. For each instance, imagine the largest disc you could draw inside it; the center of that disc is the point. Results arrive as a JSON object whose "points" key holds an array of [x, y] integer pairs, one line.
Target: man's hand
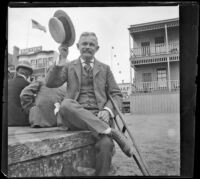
{"points": [[57, 107], [63, 50], [104, 116]]}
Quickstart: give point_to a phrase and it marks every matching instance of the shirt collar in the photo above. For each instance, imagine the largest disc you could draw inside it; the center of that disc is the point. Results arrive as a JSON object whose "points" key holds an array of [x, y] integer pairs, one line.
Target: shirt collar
{"points": [[91, 62]]}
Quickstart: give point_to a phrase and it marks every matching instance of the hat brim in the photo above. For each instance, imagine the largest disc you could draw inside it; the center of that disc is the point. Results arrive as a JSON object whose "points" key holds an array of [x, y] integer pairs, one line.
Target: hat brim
{"points": [[24, 66], [68, 27], [57, 30]]}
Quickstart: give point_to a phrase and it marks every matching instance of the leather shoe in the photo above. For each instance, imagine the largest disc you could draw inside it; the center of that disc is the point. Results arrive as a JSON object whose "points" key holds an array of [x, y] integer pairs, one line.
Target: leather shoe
{"points": [[121, 141]]}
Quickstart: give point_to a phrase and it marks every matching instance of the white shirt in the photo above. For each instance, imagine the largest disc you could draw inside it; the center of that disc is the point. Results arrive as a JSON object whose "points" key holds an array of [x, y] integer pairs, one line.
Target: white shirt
{"points": [[91, 62]]}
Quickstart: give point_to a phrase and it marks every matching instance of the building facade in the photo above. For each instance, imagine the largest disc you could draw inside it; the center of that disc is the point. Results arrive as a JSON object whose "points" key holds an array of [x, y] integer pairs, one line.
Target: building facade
{"points": [[39, 59], [126, 92], [155, 59]]}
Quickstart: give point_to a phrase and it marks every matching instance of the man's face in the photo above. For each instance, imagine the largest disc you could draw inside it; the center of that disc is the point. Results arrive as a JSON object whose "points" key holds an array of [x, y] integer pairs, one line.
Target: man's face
{"points": [[24, 71], [87, 46]]}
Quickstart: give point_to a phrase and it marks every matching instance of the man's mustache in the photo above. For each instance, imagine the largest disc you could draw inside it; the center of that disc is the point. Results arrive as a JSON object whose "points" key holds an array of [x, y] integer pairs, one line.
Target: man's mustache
{"points": [[87, 51]]}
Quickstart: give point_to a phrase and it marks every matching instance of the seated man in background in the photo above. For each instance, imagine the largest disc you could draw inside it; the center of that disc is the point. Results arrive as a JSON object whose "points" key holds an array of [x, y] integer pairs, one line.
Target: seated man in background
{"points": [[16, 115], [41, 102]]}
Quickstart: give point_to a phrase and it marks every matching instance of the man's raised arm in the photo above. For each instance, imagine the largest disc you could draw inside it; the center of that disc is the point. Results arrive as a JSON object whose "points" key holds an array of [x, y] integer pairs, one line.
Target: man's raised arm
{"points": [[57, 73]]}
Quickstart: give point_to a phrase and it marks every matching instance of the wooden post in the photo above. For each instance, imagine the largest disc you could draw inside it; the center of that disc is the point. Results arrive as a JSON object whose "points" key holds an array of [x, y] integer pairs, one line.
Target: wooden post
{"points": [[168, 65]]}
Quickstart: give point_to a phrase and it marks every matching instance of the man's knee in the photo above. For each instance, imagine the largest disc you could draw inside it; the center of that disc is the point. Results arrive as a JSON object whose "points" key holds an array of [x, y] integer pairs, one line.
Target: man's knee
{"points": [[67, 105], [105, 143]]}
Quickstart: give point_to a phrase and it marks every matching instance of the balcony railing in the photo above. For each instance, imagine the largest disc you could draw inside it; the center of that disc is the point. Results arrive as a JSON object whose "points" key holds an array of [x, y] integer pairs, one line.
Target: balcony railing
{"points": [[157, 49], [164, 85]]}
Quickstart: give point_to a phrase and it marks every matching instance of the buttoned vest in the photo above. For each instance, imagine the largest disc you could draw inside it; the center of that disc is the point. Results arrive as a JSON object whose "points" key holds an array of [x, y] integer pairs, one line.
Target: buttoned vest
{"points": [[87, 96]]}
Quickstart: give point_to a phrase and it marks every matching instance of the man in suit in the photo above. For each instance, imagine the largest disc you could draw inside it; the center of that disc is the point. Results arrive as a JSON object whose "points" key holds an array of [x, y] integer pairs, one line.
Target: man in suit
{"points": [[39, 102], [16, 115], [87, 106]]}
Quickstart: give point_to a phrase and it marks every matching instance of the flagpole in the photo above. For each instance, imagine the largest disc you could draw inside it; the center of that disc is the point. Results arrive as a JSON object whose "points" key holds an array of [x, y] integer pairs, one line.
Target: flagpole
{"points": [[111, 57], [27, 38], [130, 59]]}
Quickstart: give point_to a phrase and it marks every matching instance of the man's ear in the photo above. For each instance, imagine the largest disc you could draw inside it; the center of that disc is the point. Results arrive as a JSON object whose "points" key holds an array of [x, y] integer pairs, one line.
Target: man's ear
{"points": [[97, 48], [77, 45]]}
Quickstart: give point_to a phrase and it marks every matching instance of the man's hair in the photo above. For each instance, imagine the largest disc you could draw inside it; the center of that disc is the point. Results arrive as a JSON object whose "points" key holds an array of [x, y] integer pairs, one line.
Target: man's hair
{"points": [[86, 34]]}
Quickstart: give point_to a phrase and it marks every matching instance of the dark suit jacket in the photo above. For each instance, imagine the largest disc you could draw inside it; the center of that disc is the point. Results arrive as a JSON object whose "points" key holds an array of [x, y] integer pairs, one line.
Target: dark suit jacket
{"points": [[16, 115], [38, 101], [103, 82]]}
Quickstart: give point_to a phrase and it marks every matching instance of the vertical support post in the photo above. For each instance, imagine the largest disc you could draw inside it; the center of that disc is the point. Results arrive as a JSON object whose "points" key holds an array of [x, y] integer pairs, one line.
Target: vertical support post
{"points": [[111, 63], [45, 70], [131, 80], [168, 65]]}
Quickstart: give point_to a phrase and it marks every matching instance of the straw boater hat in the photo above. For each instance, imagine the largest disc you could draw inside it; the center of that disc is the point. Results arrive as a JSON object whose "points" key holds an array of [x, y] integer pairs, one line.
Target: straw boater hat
{"points": [[24, 64], [62, 29]]}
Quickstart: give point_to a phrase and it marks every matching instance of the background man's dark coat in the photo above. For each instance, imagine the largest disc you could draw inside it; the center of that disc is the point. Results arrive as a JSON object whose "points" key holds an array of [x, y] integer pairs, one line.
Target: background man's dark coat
{"points": [[16, 115]]}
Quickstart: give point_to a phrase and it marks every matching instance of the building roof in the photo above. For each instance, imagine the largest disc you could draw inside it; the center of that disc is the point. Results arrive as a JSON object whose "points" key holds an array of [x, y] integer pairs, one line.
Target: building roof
{"points": [[33, 54], [154, 25]]}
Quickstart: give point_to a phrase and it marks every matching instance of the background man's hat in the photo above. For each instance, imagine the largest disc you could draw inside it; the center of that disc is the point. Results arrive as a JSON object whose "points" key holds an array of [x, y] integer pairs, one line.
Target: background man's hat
{"points": [[24, 64], [62, 29]]}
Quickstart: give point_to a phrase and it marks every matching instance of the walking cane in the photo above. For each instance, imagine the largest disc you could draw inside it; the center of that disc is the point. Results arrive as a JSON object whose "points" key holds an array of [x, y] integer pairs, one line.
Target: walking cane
{"points": [[141, 165]]}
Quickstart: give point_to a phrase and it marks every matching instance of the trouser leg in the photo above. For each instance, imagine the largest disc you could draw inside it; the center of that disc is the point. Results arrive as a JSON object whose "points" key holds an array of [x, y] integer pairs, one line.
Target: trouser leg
{"points": [[75, 117], [104, 149]]}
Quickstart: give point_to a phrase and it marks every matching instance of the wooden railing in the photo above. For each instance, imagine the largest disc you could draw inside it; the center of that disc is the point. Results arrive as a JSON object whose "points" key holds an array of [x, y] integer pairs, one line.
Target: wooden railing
{"points": [[163, 85], [157, 49]]}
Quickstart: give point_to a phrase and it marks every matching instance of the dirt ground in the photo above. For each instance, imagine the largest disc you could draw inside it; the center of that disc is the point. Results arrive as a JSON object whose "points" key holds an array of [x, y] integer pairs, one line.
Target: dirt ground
{"points": [[158, 138]]}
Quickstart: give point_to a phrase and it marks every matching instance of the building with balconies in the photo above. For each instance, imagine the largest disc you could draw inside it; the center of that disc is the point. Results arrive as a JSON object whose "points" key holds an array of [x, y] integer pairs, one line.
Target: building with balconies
{"points": [[155, 60], [39, 59]]}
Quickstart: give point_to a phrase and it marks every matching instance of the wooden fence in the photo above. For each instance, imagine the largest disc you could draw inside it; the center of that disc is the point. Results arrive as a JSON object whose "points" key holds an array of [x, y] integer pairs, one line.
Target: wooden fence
{"points": [[157, 102]]}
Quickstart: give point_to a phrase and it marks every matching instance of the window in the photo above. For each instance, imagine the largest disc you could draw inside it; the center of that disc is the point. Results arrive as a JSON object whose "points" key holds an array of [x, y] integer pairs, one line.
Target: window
{"points": [[147, 82], [162, 77], [145, 48], [50, 61], [146, 77], [33, 63], [40, 63], [159, 40], [159, 45]]}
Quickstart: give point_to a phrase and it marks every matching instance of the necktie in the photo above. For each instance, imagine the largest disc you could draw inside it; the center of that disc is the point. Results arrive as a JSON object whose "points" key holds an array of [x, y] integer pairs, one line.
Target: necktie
{"points": [[88, 67]]}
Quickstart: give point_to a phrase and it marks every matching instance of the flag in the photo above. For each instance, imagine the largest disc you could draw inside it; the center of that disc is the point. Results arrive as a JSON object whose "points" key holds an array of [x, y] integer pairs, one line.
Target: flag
{"points": [[36, 25]]}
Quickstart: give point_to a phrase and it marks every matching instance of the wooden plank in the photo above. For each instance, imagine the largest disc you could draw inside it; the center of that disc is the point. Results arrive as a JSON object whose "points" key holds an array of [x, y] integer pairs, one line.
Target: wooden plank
{"points": [[33, 137], [24, 130]]}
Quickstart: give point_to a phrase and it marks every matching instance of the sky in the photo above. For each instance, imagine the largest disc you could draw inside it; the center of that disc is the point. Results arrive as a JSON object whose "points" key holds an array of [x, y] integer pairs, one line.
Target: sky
{"points": [[109, 23]]}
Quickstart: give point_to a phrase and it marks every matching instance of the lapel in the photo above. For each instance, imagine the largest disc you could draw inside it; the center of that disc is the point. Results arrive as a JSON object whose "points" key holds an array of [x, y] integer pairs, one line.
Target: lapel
{"points": [[96, 68], [77, 67]]}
